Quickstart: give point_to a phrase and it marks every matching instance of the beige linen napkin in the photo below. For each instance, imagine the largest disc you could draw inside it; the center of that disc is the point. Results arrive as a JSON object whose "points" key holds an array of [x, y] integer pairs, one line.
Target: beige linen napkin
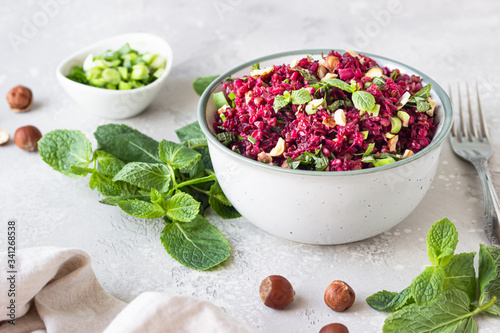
{"points": [[57, 292]]}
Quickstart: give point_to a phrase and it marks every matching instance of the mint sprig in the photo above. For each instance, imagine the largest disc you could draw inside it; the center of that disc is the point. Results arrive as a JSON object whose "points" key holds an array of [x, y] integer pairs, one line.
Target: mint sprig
{"points": [[150, 179], [440, 298]]}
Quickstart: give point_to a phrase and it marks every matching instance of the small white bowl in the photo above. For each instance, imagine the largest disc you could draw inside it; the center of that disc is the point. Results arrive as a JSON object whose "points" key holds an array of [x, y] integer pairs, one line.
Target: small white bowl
{"points": [[319, 207], [115, 104]]}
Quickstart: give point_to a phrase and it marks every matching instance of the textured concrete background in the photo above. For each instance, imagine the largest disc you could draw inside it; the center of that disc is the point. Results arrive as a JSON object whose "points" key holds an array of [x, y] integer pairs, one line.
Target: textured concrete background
{"points": [[452, 41]]}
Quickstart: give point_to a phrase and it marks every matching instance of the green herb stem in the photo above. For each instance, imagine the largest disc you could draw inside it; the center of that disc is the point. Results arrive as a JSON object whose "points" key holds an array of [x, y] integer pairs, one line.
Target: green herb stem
{"points": [[199, 190]]}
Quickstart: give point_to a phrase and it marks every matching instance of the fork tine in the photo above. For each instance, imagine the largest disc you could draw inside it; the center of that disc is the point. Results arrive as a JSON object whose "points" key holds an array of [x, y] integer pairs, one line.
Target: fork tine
{"points": [[453, 129], [463, 128], [484, 128], [472, 124]]}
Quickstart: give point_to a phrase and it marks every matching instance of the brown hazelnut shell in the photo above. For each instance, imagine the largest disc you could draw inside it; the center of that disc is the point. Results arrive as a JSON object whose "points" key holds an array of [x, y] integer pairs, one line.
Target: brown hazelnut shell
{"points": [[334, 328], [20, 99], [339, 296], [276, 292]]}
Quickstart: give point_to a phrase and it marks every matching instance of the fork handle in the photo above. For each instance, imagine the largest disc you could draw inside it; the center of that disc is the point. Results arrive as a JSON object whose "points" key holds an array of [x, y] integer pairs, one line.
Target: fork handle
{"points": [[491, 204]]}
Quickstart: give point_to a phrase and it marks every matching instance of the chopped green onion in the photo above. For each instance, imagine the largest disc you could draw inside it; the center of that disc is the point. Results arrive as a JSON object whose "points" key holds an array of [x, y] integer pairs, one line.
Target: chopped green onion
{"points": [[251, 139], [395, 125], [369, 149], [124, 86], [405, 118], [389, 135], [139, 72], [231, 96], [219, 99], [123, 72], [365, 134], [383, 161], [223, 117], [375, 111], [111, 76]]}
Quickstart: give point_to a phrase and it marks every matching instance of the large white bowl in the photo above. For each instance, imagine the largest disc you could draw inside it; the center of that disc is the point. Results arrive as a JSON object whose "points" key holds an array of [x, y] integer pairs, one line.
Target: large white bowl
{"points": [[115, 104], [319, 207]]}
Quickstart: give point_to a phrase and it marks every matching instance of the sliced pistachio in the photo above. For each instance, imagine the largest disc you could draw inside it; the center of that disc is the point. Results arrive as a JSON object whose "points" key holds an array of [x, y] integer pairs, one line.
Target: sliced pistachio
{"points": [[374, 72], [279, 149], [433, 104], [407, 153], [392, 143], [339, 117]]}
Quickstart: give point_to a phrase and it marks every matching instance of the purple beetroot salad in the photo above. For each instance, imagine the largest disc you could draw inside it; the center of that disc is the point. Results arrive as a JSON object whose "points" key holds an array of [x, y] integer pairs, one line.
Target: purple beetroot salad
{"points": [[342, 112]]}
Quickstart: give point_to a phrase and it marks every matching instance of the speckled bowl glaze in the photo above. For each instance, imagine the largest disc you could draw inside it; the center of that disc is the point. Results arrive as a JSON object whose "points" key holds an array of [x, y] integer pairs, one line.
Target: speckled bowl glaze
{"points": [[318, 207], [115, 104]]}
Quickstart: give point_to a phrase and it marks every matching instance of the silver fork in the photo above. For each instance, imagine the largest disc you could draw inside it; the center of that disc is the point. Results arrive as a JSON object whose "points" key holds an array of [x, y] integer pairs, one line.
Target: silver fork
{"points": [[472, 144]]}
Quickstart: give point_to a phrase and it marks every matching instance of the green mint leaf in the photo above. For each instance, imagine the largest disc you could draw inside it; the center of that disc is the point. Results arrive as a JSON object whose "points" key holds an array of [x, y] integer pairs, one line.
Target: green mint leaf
{"points": [[216, 192], [201, 83], [108, 164], [146, 176], [199, 180], [369, 149], [196, 244], [80, 171], [281, 101], [390, 301], [427, 286], [450, 313], [219, 99], [189, 132], [114, 200], [310, 78], [158, 200], [62, 149], [423, 106], [488, 270], [442, 240], [226, 138], [489, 265], [182, 207], [224, 211], [337, 83], [363, 101], [301, 96], [424, 93], [178, 156], [336, 105], [460, 274], [256, 66], [103, 184], [127, 144], [202, 198], [142, 209]]}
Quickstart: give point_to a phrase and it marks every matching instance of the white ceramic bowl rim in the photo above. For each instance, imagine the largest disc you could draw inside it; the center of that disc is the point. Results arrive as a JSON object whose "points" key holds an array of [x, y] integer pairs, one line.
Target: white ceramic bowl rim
{"points": [[436, 141], [103, 41]]}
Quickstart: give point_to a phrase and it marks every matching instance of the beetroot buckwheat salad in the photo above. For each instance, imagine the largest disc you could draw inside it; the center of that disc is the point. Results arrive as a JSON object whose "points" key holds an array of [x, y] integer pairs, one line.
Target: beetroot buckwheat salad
{"points": [[342, 112]]}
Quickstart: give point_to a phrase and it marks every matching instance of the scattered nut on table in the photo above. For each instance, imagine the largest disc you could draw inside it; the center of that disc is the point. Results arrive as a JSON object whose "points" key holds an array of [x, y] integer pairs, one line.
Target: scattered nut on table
{"points": [[20, 99], [276, 292], [334, 328], [27, 137], [4, 137], [339, 296]]}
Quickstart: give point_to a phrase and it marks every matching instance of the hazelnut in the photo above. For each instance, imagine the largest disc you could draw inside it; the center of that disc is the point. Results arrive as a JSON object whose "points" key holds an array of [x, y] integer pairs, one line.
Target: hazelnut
{"points": [[339, 117], [329, 121], [4, 137], [374, 72], [20, 99], [321, 72], [334, 328], [279, 149], [339, 296], [27, 138], [407, 153], [276, 292], [264, 157], [331, 63], [392, 143]]}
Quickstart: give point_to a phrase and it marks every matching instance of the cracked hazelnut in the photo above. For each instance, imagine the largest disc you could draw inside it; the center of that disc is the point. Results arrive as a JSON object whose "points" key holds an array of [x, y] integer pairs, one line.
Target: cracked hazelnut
{"points": [[276, 292], [264, 157], [334, 328], [27, 138], [4, 137], [20, 99], [331, 63], [339, 296], [279, 149]]}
